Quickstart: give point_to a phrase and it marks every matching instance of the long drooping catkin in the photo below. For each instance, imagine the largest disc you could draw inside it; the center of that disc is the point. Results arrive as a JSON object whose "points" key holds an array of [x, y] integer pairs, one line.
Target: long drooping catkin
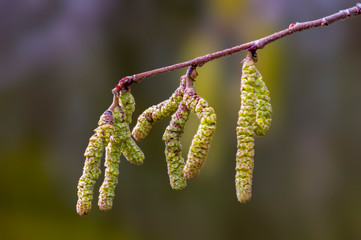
{"points": [[201, 141], [112, 160], [173, 147], [158, 112], [130, 149], [245, 132], [254, 119], [93, 156]]}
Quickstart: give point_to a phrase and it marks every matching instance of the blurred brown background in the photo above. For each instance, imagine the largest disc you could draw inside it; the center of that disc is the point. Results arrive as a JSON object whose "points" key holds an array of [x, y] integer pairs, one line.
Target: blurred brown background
{"points": [[60, 59]]}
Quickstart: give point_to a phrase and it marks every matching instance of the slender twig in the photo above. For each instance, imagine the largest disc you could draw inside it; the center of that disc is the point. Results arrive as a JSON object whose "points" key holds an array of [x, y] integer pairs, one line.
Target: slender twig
{"points": [[125, 82]]}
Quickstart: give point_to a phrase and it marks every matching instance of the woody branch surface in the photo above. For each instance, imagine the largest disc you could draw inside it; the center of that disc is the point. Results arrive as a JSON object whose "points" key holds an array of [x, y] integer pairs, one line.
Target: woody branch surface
{"points": [[253, 45]]}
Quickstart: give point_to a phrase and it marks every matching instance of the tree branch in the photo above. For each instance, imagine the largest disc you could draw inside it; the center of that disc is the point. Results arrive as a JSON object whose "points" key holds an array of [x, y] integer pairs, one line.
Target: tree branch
{"points": [[125, 82]]}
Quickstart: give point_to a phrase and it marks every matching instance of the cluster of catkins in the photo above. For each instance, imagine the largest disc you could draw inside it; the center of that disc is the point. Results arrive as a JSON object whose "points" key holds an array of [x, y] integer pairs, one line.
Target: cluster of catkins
{"points": [[114, 135], [254, 119], [178, 107]]}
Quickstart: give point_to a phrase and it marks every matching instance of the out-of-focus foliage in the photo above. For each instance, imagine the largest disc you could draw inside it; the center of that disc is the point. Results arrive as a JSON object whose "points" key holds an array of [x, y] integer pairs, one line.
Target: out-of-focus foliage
{"points": [[59, 61]]}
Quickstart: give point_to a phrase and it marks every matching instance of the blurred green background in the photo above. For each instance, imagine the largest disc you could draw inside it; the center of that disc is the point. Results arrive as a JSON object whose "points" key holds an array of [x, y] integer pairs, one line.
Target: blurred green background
{"points": [[60, 59]]}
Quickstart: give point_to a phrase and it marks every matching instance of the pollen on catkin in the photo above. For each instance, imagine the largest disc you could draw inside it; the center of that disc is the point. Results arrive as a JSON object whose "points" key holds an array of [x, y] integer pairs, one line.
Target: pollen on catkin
{"points": [[93, 154], [158, 112], [112, 160], [245, 132], [173, 147], [130, 149], [201, 141]]}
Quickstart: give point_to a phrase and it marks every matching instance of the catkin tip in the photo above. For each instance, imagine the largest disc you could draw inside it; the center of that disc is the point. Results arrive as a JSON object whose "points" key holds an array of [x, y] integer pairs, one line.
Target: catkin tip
{"points": [[83, 208]]}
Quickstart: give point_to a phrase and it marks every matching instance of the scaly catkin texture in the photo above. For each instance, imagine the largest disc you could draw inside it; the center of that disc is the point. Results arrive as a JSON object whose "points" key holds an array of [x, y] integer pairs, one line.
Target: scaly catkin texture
{"points": [[130, 149], [127, 101], [158, 112], [112, 160], [173, 147], [263, 103], [93, 156], [245, 133], [201, 141]]}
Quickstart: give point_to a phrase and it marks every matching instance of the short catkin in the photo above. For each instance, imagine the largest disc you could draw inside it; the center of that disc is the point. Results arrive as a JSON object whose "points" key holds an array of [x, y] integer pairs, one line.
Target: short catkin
{"points": [[173, 147], [158, 112], [93, 156], [201, 141], [112, 160], [245, 132], [130, 149], [263, 104], [127, 101]]}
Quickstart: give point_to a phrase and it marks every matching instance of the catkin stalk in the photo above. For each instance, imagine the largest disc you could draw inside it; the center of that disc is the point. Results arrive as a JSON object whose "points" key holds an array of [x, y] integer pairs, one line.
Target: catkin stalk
{"points": [[93, 156], [158, 112]]}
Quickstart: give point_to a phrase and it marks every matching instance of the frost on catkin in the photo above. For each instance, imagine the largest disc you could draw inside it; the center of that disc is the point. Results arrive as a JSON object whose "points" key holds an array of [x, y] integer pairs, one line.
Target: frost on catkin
{"points": [[201, 141], [130, 149], [158, 112], [93, 154], [173, 147], [245, 132], [112, 160]]}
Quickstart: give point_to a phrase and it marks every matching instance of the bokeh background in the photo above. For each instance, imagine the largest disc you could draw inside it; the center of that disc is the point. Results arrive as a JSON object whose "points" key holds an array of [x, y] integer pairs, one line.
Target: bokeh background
{"points": [[59, 61]]}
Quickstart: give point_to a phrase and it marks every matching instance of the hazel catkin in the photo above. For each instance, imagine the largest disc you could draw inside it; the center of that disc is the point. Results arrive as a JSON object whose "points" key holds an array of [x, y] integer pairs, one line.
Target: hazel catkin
{"points": [[245, 133], [93, 156], [127, 101], [173, 149], [158, 112], [130, 149], [201, 141], [263, 104], [112, 160]]}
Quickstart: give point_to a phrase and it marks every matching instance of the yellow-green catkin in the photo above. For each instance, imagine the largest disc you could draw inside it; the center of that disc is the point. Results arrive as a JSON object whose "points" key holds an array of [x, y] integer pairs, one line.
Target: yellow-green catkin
{"points": [[112, 160], [201, 141], [263, 104], [173, 147], [127, 101], [93, 156], [130, 149], [245, 132], [158, 112]]}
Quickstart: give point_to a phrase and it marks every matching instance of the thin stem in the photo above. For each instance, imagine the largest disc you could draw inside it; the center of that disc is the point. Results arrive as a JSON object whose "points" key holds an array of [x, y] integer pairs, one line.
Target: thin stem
{"points": [[251, 46]]}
